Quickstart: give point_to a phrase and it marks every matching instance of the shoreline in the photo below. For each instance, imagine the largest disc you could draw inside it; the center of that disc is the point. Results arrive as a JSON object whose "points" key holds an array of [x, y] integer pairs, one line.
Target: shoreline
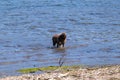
{"points": [[111, 72]]}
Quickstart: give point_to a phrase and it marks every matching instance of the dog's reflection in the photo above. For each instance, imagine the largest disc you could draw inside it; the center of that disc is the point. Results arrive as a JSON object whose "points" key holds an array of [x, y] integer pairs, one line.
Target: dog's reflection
{"points": [[62, 55]]}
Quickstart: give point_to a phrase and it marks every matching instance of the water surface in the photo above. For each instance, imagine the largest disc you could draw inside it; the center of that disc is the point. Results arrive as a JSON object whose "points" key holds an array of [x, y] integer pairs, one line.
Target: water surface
{"points": [[26, 28]]}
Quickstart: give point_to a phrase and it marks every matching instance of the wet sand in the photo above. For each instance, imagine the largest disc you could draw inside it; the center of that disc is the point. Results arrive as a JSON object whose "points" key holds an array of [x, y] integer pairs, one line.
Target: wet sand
{"points": [[94, 73]]}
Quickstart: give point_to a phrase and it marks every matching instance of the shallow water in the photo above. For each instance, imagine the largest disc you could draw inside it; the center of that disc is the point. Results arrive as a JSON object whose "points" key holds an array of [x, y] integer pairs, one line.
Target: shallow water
{"points": [[26, 28]]}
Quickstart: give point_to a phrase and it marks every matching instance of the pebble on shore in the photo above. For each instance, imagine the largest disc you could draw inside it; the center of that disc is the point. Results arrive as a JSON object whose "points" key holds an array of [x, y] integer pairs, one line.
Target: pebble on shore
{"points": [[101, 73]]}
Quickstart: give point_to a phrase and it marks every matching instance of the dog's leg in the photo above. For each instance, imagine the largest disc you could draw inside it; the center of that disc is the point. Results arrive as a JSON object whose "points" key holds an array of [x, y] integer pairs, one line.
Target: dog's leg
{"points": [[63, 44], [54, 39], [57, 45], [54, 44]]}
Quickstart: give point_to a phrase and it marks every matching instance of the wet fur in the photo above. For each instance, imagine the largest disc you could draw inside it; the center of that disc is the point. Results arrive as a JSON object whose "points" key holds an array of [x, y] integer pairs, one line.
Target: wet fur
{"points": [[59, 39]]}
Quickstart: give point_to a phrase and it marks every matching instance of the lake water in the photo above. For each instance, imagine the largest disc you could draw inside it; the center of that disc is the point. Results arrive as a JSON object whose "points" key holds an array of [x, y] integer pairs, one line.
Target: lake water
{"points": [[27, 26]]}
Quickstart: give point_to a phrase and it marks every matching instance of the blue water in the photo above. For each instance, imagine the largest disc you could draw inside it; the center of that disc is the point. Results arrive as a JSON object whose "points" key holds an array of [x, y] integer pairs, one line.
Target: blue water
{"points": [[26, 28]]}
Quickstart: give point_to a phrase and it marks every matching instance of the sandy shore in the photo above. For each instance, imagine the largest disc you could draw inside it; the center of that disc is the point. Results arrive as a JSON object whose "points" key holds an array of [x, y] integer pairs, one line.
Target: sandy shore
{"points": [[96, 73]]}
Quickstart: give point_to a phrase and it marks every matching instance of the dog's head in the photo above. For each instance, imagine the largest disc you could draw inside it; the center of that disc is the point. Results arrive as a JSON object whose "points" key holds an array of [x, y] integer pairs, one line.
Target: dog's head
{"points": [[62, 36]]}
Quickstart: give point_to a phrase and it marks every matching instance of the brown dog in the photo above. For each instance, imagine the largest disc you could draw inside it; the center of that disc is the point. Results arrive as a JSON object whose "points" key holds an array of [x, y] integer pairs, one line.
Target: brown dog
{"points": [[59, 39]]}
